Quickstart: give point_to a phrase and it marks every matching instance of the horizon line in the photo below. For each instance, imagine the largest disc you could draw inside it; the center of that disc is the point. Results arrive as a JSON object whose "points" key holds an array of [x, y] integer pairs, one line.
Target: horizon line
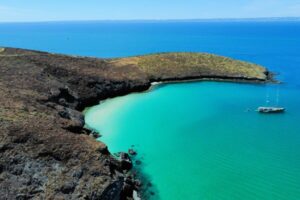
{"points": [[162, 20]]}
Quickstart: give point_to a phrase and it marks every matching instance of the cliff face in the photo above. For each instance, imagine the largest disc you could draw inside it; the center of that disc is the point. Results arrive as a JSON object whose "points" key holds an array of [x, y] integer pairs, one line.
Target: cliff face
{"points": [[45, 153]]}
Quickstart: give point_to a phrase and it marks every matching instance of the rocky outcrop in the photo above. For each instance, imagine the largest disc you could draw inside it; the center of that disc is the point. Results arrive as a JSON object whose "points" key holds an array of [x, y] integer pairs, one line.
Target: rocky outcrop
{"points": [[45, 153]]}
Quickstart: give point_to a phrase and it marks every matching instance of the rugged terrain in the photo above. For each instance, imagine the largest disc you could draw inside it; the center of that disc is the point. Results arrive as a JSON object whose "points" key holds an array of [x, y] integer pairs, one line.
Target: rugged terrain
{"points": [[45, 153]]}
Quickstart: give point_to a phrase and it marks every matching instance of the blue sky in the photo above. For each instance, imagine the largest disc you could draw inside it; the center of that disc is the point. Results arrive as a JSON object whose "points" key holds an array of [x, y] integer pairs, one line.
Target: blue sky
{"points": [[54, 10]]}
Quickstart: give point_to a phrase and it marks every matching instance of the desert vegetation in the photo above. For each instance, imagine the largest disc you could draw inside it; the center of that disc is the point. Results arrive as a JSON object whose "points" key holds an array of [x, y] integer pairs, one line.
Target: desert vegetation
{"points": [[167, 65]]}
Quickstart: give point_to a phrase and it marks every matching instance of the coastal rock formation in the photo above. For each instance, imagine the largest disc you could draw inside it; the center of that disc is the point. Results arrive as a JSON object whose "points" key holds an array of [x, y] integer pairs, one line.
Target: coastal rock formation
{"points": [[45, 153], [132, 152]]}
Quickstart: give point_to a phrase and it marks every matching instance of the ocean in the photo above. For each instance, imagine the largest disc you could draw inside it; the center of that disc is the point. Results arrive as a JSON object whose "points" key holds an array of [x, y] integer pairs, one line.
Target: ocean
{"points": [[199, 140]]}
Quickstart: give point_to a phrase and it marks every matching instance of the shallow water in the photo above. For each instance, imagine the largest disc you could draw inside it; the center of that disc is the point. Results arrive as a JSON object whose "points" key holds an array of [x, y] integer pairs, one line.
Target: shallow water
{"points": [[196, 140], [200, 141]]}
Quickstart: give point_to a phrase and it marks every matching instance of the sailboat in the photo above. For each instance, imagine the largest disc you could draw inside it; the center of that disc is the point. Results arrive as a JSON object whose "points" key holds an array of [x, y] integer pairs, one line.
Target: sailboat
{"points": [[271, 109]]}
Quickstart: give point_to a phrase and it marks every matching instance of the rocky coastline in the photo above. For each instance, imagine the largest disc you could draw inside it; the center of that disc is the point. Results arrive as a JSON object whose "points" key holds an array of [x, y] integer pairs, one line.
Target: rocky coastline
{"points": [[45, 151]]}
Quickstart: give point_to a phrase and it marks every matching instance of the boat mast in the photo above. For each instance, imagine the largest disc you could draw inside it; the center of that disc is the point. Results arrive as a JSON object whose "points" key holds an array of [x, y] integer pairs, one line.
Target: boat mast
{"points": [[267, 97], [277, 96]]}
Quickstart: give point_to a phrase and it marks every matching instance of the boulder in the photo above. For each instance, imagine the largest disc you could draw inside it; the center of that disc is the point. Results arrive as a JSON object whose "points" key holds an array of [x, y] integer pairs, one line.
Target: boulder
{"points": [[132, 152], [138, 162], [126, 163]]}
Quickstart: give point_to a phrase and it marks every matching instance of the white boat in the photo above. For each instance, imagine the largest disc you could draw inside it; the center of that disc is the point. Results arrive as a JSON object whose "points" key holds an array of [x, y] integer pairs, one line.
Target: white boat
{"points": [[270, 109]]}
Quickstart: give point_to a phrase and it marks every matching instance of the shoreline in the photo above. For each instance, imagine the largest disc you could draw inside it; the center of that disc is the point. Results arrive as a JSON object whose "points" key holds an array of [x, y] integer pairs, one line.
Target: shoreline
{"points": [[43, 124], [141, 177], [153, 85]]}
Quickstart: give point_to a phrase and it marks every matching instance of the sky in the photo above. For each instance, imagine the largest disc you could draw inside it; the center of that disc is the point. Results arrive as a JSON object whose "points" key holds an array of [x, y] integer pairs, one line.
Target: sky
{"points": [[62, 10]]}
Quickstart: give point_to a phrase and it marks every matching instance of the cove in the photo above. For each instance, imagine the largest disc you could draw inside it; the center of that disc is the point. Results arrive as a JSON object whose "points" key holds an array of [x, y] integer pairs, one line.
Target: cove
{"points": [[204, 140]]}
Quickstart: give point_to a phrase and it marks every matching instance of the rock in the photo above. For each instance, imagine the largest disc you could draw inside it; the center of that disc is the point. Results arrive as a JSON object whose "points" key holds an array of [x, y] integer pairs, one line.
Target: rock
{"points": [[117, 154], [136, 196], [68, 187], [138, 162], [149, 184], [62, 101], [4, 147], [121, 163], [124, 156], [63, 96], [96, 135], [86, 131], [17, 170], [78, 173], [130, 186], [75, 119], [95, 173], [112, 192], [23, 197], [134, 174], [137, 183], [126, 163], [36, 191], [103, 149], [127, 190], [132, 152]]}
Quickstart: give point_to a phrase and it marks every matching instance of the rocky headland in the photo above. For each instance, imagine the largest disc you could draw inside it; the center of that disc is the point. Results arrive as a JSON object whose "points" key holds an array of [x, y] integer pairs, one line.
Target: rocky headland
{"points": [[45, 151]]}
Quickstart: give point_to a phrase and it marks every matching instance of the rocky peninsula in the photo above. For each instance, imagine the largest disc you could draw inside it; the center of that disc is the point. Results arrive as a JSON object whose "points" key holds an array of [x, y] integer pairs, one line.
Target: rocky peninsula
{"points": [[45, 151]]}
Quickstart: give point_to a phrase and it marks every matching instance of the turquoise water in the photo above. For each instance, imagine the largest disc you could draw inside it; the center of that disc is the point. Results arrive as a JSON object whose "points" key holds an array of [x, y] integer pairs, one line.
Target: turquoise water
{"points": [[199, 141], [196, 140]]}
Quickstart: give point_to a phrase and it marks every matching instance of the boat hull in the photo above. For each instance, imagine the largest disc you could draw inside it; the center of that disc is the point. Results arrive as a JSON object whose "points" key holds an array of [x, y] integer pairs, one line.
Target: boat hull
{"points": [[270, 110]]}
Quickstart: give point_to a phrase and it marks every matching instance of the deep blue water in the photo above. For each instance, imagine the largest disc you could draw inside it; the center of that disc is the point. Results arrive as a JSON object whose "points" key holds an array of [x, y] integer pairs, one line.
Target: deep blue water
{"points": [[273, 44], [210, 146]]}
